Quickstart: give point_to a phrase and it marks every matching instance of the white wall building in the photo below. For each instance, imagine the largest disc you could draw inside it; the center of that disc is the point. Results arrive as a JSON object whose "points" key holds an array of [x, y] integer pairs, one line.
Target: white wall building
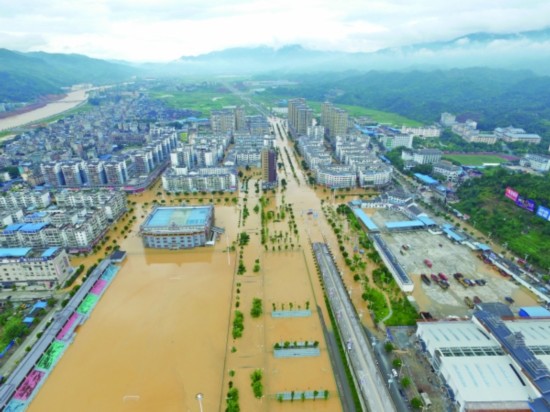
{"points": [[33, 268]]}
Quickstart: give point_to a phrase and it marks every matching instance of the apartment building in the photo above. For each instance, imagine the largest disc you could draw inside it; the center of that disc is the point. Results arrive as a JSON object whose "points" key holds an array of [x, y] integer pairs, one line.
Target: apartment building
{"points": [[34, 268], [209, 179], [334, 120], [300, 116]]}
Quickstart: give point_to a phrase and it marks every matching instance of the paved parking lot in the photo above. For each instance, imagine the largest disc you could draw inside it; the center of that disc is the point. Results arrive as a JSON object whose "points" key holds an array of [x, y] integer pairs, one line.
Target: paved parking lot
{"points": [[448, 257]]}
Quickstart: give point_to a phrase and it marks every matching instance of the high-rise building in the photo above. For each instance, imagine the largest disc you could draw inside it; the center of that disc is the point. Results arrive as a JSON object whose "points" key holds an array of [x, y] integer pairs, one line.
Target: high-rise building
{"points": [[116, 172], [95, 173], [73, 173], [240, 119], [269, 167], [300, 116], [334, 120], [222, 121], [53, 175]]}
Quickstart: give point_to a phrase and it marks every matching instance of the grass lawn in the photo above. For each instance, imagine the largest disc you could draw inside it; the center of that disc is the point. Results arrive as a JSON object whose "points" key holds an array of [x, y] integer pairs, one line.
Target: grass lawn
{"points": [[475, 160], [204, 101]]}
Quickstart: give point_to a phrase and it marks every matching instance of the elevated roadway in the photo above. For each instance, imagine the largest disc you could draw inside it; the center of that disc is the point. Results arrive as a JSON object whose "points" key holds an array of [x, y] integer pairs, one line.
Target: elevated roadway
{"points": [[371, 385]]}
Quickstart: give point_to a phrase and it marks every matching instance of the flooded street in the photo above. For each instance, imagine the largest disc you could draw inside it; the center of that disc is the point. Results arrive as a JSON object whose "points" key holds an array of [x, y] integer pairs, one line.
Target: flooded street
{"points": [[161, 333], [71, 100]]}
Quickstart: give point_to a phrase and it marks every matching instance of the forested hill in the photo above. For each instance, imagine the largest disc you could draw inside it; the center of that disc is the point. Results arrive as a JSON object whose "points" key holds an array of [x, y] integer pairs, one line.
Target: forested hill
{"points": [[26, 76], [524, 232], [493, 97]]}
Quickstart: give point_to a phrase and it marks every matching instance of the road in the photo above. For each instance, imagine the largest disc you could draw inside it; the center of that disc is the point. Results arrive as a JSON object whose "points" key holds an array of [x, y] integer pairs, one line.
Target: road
{"points": [[344, 389], [372, 386]]}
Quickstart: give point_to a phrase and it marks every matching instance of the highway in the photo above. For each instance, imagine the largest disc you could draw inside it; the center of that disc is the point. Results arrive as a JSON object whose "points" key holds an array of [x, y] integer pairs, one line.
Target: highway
{"points": [[371, 385]]}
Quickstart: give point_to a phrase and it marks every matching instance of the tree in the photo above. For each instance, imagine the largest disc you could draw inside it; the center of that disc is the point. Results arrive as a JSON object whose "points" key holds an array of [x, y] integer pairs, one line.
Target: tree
{"points": [[388, 346], [406, 382], [397, 363], [416, 403]]}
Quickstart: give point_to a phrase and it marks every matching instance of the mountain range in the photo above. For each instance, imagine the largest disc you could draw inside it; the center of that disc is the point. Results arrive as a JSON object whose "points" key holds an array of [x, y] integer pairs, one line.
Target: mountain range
{"points": [[26, 76], [523, 50]]}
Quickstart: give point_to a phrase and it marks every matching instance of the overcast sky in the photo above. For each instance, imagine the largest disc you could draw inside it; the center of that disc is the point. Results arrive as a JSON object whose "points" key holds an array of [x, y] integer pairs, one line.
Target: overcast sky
{"points": [[163, 30]]}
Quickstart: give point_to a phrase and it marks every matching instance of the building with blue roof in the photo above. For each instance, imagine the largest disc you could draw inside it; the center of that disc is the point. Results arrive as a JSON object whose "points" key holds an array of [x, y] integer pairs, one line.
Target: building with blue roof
{"points": [[405, 225], [34, 268], [365, 220], [449, 230], [533, 312], [178, 227], [427, 180]]}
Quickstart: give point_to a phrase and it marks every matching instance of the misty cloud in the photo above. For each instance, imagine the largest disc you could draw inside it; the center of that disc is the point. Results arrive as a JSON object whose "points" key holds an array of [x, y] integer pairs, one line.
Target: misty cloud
{"points": [[164, 30]]}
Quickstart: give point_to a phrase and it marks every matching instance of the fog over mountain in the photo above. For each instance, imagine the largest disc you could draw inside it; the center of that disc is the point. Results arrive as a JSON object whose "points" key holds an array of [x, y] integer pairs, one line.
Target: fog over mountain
{"points": [[523, 50], [25, 76]]}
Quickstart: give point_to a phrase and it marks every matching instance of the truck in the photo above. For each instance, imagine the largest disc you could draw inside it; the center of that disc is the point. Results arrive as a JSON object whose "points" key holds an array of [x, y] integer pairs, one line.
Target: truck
{"points": [[428, 262]]}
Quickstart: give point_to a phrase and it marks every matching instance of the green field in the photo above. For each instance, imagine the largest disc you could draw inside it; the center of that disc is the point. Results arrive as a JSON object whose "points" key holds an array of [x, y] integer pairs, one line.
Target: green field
{"points": [[354, 111], [375, 115], [475, 160], [203, 101]]}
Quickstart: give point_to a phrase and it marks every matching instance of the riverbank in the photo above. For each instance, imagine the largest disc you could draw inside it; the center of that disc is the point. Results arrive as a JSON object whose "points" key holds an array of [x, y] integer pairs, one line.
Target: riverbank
{"points": [[70, 101]]}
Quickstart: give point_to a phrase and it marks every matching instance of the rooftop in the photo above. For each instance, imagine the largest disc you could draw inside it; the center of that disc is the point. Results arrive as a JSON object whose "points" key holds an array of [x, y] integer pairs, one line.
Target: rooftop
{"points": [[14, 252], [163, 217]]}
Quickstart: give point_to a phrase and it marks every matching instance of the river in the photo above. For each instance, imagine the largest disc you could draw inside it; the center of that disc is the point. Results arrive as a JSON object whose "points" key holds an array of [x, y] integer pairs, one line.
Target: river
{"points": [[71, 100]]}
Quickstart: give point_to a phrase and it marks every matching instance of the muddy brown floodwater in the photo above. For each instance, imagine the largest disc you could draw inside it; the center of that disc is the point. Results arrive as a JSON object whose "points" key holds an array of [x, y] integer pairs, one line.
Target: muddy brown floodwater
{"points": [[161, 333]]}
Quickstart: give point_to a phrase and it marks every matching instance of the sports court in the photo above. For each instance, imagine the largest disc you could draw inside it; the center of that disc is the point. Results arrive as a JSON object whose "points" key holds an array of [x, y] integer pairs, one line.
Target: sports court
{"points": [[178, 216]]}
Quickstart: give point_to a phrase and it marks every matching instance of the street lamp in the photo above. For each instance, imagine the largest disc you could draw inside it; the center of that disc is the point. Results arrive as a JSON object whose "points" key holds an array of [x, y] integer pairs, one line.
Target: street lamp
{"points": [[199, 398]]}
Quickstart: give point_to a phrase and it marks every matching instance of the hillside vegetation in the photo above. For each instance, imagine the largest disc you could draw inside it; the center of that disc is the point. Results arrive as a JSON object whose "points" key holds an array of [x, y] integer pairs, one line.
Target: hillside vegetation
{"points": [[524, 232], [26, 76], [490, 96]]}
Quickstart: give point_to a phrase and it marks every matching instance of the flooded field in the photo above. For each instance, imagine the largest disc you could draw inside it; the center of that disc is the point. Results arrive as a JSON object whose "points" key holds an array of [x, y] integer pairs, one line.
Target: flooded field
{"points": [[72, 99]]}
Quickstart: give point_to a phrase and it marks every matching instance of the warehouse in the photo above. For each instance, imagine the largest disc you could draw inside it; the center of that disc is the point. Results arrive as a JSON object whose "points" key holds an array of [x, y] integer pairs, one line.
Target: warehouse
{"points": [[491, 364]]}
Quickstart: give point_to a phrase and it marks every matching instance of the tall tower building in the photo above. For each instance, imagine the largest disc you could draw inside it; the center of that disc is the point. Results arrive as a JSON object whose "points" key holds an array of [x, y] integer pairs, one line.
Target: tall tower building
{"points": [[269, 168], [222, 121], [300, 116], [240, 119], [334, 119]]}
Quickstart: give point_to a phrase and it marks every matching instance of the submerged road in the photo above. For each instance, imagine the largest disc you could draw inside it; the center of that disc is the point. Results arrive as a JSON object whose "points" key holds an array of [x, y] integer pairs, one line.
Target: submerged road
{"points": [[371, 386]]}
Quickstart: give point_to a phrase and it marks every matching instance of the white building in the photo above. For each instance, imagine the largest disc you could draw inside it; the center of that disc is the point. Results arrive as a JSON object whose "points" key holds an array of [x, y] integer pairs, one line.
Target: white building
{"points": [[376, 175], [336, 176], [489, 363], [206, 179], [33, 268], [448, 170], [422, 156], [25, 199], [422, 131], [536, 162], [398, 140], [513, 134], [447, 119]]}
